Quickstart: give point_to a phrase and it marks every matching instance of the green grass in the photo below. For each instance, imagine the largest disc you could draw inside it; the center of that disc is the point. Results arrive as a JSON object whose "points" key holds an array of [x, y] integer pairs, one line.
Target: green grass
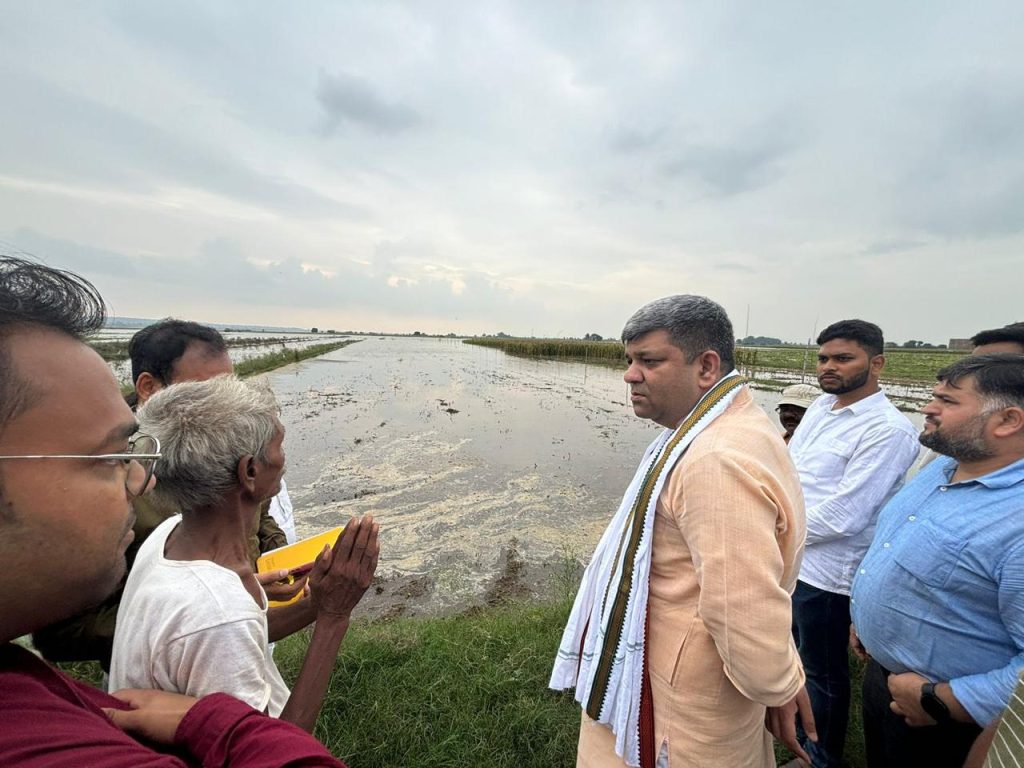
{"points": [[467, 690], [902, 366], [272, 360], [114, 350], [459, 691], [611, 352]]}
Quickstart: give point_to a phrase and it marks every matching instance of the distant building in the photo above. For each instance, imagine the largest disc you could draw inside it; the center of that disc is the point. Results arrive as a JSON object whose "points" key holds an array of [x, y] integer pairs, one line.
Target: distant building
{"points": [[961, 344]]}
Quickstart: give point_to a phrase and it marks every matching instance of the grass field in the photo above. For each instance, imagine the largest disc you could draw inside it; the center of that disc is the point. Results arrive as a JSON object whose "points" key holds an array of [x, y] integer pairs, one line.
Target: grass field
{"points": [[468, 691], [903, 366]]}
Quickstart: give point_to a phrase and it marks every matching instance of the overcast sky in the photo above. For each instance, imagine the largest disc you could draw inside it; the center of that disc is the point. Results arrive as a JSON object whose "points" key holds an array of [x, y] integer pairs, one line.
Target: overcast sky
{"points": [[529, 167]]}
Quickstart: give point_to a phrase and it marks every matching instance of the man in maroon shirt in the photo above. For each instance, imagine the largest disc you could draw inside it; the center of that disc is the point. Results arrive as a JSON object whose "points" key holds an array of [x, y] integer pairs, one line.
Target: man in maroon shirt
{"points": [[70, 464]]}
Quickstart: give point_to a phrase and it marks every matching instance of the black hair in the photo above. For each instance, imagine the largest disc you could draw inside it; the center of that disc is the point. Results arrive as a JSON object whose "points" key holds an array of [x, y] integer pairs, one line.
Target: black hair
{"points": [[1012, 333], [867, 335], [695, 324], [33, 294], [998, 378], [157, 347]]}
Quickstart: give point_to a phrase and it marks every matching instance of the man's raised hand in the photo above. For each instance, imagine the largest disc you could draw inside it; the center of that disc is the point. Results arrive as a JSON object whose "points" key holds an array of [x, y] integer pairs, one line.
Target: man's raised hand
{"points": [[341, 575]]}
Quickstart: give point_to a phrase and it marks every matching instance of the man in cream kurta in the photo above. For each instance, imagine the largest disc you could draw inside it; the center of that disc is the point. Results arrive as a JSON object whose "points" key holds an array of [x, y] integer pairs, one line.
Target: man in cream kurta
{"points": [[728, 534]]}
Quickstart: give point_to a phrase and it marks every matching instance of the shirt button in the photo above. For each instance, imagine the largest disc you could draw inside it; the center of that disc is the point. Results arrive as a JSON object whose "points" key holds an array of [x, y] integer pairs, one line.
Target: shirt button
{"points": [[852, 600], [912, 518], [862, 570], [943, 488], [886, 545]]}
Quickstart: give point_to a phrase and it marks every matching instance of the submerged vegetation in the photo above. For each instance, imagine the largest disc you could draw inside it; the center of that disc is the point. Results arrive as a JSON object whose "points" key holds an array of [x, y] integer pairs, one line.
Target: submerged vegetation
{"points": [[902, 366], [272, 360], [609, 352], [115, 350]]}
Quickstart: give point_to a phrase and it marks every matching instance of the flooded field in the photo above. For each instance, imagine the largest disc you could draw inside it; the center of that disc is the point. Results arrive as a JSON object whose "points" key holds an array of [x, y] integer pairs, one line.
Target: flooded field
{"points": [[488, 473]]}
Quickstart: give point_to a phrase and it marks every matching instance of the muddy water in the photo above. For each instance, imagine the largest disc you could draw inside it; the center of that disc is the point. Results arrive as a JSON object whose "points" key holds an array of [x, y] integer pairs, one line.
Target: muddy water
{"points": [[485, 471]]}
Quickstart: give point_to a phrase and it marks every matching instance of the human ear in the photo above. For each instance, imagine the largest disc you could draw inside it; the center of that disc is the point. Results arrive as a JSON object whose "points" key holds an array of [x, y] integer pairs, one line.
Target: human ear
{"points": [[710, 366], [877, 364], [246, 472], [146, 386], [1010, 422]]}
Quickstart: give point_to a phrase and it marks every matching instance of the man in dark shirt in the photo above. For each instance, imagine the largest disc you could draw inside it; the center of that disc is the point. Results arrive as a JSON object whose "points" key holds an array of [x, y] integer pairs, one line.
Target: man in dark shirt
{"points": [[71, 464]]}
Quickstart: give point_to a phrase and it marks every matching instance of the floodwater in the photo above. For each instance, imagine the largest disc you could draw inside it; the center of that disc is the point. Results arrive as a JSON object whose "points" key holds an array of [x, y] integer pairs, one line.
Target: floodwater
{"points": [[486, 472]]}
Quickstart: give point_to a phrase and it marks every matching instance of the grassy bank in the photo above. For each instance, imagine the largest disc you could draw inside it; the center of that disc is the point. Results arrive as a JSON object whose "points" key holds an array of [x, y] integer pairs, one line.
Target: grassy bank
{"points": [[609, 352], [115, 350], [466, 690], [903, 366], [272, 360]]}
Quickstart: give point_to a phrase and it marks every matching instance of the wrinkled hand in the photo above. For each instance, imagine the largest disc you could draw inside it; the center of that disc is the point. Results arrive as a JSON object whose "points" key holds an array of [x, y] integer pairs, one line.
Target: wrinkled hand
{"points": [[278, 587], [341, 575], [857, 646], [906, 698], [154, 715], [781, 721]]}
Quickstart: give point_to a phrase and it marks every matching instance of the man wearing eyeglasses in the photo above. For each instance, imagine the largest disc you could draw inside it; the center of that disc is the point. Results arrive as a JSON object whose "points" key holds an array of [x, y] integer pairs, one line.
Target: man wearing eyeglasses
{"points": [[68, 475]]}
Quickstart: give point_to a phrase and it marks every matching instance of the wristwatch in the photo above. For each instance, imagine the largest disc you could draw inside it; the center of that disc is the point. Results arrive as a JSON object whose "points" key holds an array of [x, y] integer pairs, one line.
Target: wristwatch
{"points": [[933, 705]]}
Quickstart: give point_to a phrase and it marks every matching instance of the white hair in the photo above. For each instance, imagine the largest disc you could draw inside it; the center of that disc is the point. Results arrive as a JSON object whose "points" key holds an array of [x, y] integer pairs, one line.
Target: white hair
{"points": [[204, 428]]}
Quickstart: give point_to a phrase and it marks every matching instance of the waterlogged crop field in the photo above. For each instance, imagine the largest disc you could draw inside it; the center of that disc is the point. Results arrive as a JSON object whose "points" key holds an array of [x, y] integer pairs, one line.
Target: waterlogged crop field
{"points": [[902, 366]]}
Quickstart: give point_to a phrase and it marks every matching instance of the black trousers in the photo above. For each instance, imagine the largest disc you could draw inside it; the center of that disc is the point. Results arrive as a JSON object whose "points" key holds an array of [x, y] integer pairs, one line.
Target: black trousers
{"points": [[891, 743]]}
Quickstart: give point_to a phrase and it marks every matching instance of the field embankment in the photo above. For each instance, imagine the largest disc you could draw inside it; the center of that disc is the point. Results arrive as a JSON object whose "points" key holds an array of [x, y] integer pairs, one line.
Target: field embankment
{"points": [[903, 366]]}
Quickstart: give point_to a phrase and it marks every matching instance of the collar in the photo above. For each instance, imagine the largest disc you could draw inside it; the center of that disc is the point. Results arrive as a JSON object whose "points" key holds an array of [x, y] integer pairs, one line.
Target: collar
{"points": [[864, 405], [1008, 476]]}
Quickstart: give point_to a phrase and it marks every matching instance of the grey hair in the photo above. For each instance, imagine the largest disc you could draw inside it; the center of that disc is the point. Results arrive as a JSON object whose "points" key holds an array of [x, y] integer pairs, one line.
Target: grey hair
{"points": [[694, 323], [204, 428]]}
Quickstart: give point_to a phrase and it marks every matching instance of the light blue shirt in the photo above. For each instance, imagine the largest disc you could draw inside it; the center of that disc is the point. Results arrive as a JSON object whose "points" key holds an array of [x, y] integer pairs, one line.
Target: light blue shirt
{"points": [[941, 590]]}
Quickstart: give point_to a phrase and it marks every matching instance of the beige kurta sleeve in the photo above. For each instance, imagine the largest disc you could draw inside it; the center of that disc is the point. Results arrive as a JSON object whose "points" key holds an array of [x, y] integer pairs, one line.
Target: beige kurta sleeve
{"points": [[742, 525]]}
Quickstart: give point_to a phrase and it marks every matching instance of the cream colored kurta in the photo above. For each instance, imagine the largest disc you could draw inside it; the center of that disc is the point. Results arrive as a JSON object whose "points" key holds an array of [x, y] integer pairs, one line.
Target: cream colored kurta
{"points": [[728, 538]]}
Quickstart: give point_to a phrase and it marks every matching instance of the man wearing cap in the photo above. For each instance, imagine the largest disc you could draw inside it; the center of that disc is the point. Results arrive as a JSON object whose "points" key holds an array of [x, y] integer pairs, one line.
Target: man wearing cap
{"points": [[796, 399]]}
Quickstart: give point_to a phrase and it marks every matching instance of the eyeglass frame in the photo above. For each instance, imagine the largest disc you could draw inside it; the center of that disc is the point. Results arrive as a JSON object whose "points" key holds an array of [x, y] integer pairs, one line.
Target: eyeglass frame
{"points": [[125, 457]]}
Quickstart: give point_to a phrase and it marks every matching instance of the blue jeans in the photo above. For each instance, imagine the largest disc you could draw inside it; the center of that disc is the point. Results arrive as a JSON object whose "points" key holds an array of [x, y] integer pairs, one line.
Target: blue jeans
{"points": [[821, 627]]}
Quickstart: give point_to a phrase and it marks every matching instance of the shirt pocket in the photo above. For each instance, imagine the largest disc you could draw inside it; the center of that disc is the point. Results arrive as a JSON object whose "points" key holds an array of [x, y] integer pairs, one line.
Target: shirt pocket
{"points": [[932, 557], [832, 459]]}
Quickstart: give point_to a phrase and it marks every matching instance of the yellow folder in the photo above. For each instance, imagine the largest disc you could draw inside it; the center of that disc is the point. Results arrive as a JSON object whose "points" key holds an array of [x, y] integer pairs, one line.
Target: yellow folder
{"points": [[297, 558]]}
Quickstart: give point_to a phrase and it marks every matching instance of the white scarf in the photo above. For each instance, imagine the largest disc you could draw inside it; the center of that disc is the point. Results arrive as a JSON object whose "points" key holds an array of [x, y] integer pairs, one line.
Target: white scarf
{"points": [[626, 545]]}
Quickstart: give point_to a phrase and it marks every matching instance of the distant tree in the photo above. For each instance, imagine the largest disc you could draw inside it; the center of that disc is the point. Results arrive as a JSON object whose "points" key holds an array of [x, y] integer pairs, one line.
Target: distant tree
{"points": [[314, 329], [593, 337], [891, 345], [912, 344], [416, 333], [759, 341]]}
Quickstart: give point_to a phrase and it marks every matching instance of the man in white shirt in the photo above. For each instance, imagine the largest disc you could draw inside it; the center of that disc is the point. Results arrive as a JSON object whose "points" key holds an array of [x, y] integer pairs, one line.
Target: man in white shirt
{"points": [[852, 450]]}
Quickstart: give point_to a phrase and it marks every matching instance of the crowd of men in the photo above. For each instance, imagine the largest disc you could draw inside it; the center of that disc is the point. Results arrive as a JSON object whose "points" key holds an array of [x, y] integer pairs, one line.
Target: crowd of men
{"points": [[716, 612]]}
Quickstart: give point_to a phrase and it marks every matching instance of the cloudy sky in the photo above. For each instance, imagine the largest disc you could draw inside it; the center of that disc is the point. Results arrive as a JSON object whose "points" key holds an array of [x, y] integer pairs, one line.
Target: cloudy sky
{"points": [[527, 167]]}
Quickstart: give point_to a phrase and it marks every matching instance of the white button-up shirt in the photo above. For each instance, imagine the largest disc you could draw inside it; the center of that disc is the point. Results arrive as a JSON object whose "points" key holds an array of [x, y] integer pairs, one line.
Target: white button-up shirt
{"points": [[851, 462]]}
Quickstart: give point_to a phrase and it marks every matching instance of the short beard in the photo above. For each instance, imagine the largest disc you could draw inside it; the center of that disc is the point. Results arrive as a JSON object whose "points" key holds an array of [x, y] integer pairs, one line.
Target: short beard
{"points": [[959, 447], [849, 385]]}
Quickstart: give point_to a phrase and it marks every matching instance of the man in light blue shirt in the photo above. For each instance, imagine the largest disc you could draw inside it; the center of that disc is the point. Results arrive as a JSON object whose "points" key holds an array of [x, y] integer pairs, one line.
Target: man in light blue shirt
{"points": [[938, 602]]}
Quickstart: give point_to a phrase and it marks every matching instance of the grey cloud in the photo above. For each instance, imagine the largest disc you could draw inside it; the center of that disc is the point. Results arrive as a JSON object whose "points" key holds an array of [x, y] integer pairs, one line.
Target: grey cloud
{"points": [[116, 149], [728, 170], [349, 99], [631, 140]]}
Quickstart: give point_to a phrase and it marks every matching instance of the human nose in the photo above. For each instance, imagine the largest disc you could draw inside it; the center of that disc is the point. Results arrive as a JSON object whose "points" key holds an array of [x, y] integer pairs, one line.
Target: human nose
{"points": [[632, 374]]}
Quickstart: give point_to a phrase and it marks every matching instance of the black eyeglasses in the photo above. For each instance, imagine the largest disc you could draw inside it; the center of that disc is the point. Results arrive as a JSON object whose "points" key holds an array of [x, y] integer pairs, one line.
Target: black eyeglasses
{"points": [[143, 452]]}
